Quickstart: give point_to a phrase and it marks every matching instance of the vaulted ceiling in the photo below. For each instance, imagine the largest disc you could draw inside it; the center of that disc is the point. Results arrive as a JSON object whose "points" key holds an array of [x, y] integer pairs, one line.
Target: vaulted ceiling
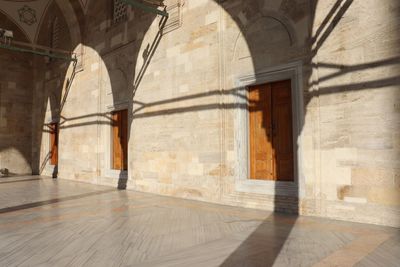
{"points": [[29, 14]]}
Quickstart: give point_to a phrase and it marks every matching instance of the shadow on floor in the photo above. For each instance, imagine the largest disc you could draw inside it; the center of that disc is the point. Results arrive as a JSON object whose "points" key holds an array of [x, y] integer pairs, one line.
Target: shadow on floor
{"points": [[19, 181], [122, 182], [52, 201], [263, 246]]}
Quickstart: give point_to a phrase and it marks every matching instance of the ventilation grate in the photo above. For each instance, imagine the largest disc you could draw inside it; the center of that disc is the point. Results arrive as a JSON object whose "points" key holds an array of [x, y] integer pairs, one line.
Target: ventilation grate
{"points": [[120, 12], [55, 34], [174, 11]]}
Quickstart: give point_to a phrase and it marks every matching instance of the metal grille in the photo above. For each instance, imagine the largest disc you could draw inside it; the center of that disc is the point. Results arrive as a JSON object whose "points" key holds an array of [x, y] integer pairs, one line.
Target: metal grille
{"points": [[55, 34], [120, 12], [174, 10]]}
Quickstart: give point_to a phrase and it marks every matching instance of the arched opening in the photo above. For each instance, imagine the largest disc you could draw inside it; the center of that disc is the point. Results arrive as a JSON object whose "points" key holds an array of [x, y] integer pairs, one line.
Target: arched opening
{"points": [[253, 42], [187, 98], [16, 103]]}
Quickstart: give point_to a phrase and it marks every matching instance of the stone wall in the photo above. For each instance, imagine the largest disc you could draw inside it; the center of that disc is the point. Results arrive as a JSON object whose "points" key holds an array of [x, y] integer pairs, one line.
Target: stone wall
{"points": [[357, 90], [16, 79], [51, 85], [187, 123]]}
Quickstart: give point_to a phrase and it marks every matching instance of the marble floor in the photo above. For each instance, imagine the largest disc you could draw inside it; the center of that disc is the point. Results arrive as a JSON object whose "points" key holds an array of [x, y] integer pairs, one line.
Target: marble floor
{"points": [[46, 222]]}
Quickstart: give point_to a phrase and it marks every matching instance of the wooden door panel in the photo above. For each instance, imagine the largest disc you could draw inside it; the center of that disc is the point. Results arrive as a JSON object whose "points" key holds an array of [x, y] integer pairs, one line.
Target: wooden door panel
{"points": [[260, 132], [117, 156], [284, 169], [283, 130], [124, 139], [271, 135], [120, 140], [53, 144]]}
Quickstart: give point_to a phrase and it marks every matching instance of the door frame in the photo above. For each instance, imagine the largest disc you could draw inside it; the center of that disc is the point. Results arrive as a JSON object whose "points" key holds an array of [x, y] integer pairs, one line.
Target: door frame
{"points": [[107, 168], [112, 149], [243, 183], [55, 131]]}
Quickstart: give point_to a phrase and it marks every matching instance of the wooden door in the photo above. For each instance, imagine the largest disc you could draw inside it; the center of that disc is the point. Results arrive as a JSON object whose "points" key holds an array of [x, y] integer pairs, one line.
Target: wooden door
{"points": [[282, 130], [271, 135], [120, 140], [53, 143], [261, 150]]}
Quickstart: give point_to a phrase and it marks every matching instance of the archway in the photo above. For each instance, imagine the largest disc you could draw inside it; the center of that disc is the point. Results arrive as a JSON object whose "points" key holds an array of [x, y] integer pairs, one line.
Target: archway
{"points": [[241, 53], [163, 104]]}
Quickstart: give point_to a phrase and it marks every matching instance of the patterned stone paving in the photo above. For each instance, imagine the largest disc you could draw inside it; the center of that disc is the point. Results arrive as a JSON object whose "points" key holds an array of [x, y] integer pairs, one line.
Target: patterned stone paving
{"points": [[45, 222]]}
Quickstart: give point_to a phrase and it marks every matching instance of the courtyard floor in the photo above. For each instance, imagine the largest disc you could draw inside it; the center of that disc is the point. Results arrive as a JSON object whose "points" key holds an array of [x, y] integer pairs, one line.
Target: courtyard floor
{"points": [[46, 222]]}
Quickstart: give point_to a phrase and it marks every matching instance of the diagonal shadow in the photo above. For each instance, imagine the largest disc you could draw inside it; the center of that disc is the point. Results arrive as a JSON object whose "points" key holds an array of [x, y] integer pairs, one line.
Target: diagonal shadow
{"points": [[52, 201], [374, 84], [20, 181], [263, 246], [270, 234], [330, 22], [149, 53], [345, 69]]}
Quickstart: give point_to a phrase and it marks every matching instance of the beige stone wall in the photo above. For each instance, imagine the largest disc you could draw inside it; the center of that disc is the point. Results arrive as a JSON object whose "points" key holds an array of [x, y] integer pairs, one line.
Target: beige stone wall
{"points": [[16, 79], [188, 112], [51, 77], [357, 91], [15, 113], [261, 42]]}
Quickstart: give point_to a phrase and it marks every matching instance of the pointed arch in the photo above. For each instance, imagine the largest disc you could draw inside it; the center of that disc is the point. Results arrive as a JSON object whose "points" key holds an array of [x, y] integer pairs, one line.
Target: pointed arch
{"points": [[14, 23]]}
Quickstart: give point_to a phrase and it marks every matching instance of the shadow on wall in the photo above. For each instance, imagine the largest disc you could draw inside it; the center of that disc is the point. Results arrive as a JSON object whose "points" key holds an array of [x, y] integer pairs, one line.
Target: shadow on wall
{"points": [[15, 81], [116, 62], [53, 81], [270, 238]]}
